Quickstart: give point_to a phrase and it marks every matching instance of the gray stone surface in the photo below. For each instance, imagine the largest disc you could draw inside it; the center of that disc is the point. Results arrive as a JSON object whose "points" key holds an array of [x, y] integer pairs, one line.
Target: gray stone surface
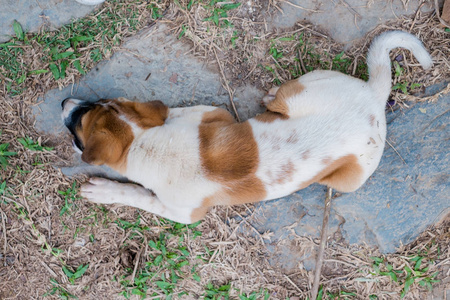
{"points": [[33, 14], [409, 191], [345, 21]]}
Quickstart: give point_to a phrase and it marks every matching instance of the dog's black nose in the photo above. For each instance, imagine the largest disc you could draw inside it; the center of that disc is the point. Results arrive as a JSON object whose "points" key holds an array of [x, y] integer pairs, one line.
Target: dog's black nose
{"points": [[64, 102]]}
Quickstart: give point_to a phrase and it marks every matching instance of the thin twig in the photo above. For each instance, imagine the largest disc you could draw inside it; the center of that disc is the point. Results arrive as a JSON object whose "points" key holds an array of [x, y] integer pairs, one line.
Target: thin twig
{"points": [[48, 268], [3, 216], [291, 282], [136, 264], [302, 64], [323, 241], [436, 8], [387, 141], [415, 16], [301, 7], [226, 86]]}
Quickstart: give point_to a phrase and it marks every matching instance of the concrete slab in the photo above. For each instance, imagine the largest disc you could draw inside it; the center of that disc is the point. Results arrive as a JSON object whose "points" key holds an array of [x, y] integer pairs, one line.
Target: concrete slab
{"points": [[32, 15], [345, 21]]}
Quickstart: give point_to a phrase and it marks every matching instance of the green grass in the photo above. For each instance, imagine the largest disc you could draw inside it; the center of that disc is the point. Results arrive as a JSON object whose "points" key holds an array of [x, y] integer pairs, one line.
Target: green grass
{"points": [[70, 196], [166, 266], [5, 155], [75, 47], [312, 59], [74, 275], [404, 86], [219, 292], [215, 293], [413, 272], [57, 289], [28, 143], [219, 12]]}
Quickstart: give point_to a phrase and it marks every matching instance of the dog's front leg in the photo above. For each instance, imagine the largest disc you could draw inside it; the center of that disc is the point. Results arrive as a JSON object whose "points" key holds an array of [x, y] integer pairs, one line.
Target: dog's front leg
{"points": [[104, 191]]}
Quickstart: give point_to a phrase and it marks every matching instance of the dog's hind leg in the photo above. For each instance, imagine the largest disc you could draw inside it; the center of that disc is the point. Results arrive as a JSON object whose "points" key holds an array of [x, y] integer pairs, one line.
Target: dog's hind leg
{"points": [[279, 99], [105, 191]]}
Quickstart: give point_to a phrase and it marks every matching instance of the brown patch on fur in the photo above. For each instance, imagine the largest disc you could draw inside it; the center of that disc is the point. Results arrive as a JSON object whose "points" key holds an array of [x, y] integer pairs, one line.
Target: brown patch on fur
{"points": [[105, 137], [198, 213], [372, 140], [286, 91], [145, 115], [269, 117], [293, 138], [343, 174], [372, 120], [229, 156], [218, 115], [305, 155], [248, 190], [228, 150], [287, 173]]}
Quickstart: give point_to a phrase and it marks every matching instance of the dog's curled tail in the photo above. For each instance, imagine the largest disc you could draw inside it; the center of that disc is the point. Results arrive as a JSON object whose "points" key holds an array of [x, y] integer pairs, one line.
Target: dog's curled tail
{"points": [[379, 63]]}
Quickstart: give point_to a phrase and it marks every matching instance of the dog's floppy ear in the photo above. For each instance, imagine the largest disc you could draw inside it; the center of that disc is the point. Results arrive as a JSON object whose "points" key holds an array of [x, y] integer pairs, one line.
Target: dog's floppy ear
{"points": [[103, 147], [148, 114]]}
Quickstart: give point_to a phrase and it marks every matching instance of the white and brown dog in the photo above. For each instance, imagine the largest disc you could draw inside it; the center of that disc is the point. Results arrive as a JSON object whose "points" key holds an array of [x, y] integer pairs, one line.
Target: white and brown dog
{"points": [[323, 127]]}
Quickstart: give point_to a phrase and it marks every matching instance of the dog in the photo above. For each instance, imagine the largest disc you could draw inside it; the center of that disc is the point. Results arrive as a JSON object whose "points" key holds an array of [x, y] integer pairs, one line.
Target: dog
{"points": [[324, 127]]}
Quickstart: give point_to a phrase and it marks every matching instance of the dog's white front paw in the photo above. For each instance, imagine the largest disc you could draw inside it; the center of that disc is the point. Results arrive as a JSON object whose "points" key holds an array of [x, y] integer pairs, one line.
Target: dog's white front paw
{"points": [[100, 190]]}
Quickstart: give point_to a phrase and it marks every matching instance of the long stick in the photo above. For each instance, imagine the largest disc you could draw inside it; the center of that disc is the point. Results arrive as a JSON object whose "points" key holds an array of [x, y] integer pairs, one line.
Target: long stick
{"points": [[323, 241]]}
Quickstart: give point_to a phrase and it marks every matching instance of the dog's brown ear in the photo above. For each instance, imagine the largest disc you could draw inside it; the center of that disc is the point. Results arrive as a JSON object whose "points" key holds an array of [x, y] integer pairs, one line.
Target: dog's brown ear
{"points": [[147, 114], [103, 147]]}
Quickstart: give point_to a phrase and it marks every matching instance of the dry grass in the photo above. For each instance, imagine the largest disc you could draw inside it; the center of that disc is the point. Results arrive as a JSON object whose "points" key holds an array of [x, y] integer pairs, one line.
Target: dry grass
{"points": [[40, 233]]}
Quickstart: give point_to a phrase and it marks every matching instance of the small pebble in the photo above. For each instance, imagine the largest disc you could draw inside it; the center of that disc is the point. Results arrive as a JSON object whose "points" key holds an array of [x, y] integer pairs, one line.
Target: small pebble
{"points": [[399, 58]]}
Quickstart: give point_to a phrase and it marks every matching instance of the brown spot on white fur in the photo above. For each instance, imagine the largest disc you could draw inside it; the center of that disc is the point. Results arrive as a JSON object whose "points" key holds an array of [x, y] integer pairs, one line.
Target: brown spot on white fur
{"points": [[278, 109], [229, 156], [145, 115], [306, 154], [293, 138], [343, 174], [228, 149], [198, 213], [286, 91], [287, 173], [248, 190], [372, 120], [269, 117]]}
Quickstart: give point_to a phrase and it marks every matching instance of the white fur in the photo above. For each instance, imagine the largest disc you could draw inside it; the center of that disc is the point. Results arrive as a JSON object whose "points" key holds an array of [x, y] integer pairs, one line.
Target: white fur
{"points": [[90, 2]]}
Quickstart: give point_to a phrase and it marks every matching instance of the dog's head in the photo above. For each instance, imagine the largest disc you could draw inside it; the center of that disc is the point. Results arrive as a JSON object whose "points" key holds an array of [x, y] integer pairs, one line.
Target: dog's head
{"points": [[104, 130]]}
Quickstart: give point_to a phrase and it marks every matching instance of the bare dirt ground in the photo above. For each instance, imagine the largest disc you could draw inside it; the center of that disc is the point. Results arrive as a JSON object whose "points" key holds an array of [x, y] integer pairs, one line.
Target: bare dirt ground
{"points": [[56, 245]]}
